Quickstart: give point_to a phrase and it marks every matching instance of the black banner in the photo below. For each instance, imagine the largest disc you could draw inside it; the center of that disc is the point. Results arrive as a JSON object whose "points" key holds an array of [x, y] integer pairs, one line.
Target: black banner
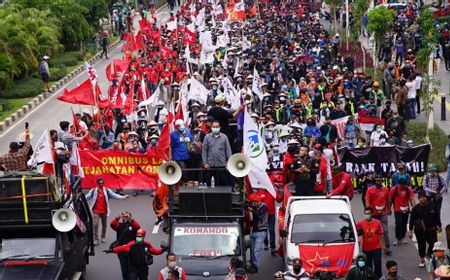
{"points": [[384, 160]]}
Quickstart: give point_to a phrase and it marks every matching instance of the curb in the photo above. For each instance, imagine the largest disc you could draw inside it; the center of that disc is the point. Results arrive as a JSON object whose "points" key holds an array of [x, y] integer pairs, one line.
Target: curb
{"points": [[37, 100]]}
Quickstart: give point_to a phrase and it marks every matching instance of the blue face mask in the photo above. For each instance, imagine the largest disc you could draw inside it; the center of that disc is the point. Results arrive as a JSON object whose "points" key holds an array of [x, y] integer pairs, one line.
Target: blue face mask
{"points": [[361, 263], [139, 239], [181, 129], [153, 143], [215, 130]]}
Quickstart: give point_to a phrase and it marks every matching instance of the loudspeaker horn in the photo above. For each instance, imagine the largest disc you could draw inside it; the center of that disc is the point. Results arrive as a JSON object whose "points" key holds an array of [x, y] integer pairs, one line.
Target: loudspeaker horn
{"points": [[64, 220], [169, 173], [239, 165]]}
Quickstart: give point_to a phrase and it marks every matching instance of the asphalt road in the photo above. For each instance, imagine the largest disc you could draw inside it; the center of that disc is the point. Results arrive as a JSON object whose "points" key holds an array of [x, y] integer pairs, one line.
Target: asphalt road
{"points": [[103, 266]]}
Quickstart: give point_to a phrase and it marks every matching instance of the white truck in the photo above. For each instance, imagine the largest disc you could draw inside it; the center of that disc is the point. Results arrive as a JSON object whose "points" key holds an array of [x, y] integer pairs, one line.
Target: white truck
{"points": [[322, 233]]}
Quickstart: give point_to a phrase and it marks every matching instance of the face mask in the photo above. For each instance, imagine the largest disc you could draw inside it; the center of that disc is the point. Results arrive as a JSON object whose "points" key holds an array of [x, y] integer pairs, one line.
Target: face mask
{"points": [[123, 120], [139, 239], [181, 129], [215, 130], [361, 263], [153, 143], [291, 149], [378, 130], [368, 217], [439, 254], [214, 87], [172, 264]]}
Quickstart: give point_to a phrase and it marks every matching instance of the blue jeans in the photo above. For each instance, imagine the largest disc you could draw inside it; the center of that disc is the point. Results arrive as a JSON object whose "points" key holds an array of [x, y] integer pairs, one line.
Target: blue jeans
{"points": [[411, 108], [257, 239], [271, 235]]}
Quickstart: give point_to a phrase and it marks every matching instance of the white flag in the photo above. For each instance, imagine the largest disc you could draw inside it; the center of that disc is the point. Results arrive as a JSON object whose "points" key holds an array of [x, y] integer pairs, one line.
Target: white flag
{"points": [[171, 25], [231, 94], [42, 151], [256, 85], [254, 148], [75, 159], [236, 70], [198, 91], [152, 99]]}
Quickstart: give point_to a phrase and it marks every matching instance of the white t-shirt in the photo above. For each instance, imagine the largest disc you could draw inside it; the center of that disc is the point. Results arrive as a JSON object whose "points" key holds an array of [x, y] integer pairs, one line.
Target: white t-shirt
{"points": [[418, 82], [411, 86], [375, 136]]}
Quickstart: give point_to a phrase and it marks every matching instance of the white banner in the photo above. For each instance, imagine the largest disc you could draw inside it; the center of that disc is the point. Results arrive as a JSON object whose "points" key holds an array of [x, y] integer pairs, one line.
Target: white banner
{"points": [[42, 151]]}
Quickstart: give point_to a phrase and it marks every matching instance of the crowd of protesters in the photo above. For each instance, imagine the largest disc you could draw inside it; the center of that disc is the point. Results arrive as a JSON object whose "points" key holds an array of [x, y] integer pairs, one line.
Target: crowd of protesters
{"points": [[280, 64]]}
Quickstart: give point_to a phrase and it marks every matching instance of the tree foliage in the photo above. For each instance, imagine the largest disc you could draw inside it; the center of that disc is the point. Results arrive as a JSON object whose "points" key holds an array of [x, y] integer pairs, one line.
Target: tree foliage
{"points": [[334, 6], [359, 9], [26, 35], [381, 21]]}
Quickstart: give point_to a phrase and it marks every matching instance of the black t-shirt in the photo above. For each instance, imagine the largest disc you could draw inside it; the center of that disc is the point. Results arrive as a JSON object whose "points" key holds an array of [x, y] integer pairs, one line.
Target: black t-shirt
{"points": [[222, 116]]}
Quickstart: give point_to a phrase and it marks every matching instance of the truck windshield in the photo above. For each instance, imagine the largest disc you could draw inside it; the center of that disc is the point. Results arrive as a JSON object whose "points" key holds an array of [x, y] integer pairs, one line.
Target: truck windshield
{"points": [[27, 247], [322, 228], [206, 241]]}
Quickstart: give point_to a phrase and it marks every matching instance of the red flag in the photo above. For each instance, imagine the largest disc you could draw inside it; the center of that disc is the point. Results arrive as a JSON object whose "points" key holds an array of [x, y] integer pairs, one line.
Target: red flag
{"points": [[252, 11], [139, 40], [76, 123], [129, 102], [83, 94], [179, 114], [328, 258], [145, 25], [189, 37], [130, 44], [101, 103], [117, 66], [166, 52], [164, 139]]}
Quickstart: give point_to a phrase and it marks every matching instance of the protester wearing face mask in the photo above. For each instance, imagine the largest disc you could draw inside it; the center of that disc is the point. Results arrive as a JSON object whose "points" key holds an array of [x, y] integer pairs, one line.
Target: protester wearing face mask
{"points": [[401, 173], [298, 272], [376, 135], [152, 128], [216, 151], [434, 185], [360, 271], [372, 239], [161, 114], [396, 124], [441, 256], [180, 139], [392, 271], [401, 197], [140, 255], [377, 198], [171, 259]]}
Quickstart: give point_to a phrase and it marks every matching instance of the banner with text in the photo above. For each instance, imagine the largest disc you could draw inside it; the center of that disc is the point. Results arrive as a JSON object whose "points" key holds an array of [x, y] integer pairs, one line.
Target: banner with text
{"points": [[119, 169], [384, 160]]}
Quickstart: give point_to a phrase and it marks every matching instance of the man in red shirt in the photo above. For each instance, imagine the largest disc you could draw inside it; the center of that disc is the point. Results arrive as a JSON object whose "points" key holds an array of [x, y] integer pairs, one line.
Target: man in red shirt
{"points": [[269, 200], [342, 183], [98, 200], [377, 198], [371, 240], [401, 197]]}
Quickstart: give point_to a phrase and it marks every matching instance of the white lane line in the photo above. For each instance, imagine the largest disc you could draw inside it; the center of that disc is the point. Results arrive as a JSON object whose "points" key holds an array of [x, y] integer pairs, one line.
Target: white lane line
{"points": [[156, 228]]}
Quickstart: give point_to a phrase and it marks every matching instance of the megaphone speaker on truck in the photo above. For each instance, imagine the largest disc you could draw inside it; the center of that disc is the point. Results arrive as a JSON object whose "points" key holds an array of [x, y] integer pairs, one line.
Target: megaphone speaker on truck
{"points": [[169, 173], [239, 165], [64, 220]]}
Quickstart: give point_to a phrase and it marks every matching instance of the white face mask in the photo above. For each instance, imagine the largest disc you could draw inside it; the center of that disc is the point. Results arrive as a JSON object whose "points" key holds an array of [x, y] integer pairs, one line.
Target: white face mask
{"points": [[172, 264]]}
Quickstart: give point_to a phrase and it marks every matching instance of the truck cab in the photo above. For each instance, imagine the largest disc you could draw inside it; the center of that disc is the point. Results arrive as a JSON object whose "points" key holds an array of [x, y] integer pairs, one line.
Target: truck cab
{"points": [[206, 230], [322, 233], [31, 245]]}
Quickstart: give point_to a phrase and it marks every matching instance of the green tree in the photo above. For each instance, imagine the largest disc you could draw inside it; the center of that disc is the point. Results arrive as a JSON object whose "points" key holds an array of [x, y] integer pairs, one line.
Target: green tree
{"points": [[96, 10], [334, 6], [381, 21], [26, 35], [424, 60], [359, 9]]}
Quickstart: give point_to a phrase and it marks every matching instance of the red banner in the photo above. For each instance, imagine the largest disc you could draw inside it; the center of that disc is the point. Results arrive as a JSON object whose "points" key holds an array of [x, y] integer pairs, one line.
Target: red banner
{"points": [[119, 169], [329, 258]]}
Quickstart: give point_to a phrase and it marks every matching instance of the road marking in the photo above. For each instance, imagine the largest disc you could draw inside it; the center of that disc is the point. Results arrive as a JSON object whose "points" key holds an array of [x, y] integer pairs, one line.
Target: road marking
{"points": [[156, 228]]}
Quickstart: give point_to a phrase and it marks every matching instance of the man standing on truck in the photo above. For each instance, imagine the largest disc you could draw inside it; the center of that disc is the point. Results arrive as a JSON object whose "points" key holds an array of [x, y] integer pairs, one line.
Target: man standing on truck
{"points": [[140, 255], [98, 199], [259, 224], [342, 183], [171, 259], [17, 157], [126, 228]]}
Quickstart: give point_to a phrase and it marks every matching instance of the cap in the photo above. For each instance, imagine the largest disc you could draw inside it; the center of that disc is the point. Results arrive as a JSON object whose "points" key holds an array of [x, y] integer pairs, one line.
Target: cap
{"points": [[179, 122], [59, 146], [432, 167], [195, 105], [154, 136], [439, 246], [140, 232], [152, 123], [46, 57], [219, 98], [200, 114], [293, 142]]}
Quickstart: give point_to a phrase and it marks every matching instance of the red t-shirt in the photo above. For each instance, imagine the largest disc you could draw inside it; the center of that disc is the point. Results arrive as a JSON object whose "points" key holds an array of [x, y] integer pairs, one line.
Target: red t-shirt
{"points": [[378, 200], [371, 232], [400, 197], [100, 206]]}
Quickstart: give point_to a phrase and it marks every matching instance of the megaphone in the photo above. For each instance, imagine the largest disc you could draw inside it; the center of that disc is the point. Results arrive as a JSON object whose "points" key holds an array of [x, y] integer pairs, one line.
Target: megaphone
{"points": [[169, 173], [64, 220], [239, 165]]}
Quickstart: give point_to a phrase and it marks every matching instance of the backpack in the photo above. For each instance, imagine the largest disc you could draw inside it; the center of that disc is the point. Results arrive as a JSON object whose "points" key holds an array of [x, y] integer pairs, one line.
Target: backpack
{"points": [[41, 69]]}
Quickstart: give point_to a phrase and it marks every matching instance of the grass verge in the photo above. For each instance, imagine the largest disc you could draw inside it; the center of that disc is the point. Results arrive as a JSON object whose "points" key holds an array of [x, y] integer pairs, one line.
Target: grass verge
{"points": [[13, 105], [438, 138]]}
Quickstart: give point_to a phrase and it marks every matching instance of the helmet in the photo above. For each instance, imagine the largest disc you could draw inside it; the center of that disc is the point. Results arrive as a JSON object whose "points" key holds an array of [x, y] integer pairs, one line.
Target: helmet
{"points": [[376, 84], [140, 232]]}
